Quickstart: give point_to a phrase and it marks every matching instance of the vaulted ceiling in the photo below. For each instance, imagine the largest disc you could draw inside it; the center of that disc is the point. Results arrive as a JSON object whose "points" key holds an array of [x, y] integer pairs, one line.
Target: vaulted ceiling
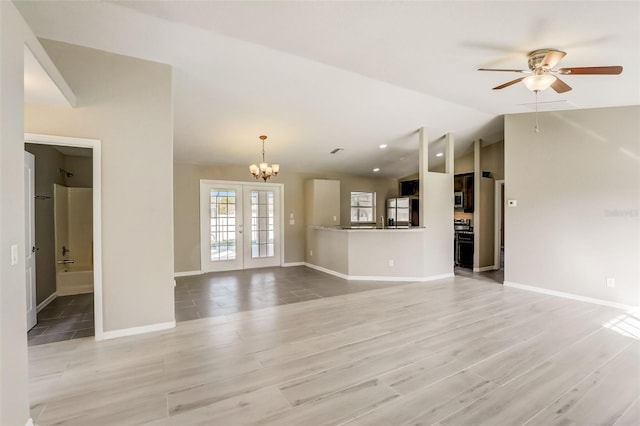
{"points": [[314, 76]]}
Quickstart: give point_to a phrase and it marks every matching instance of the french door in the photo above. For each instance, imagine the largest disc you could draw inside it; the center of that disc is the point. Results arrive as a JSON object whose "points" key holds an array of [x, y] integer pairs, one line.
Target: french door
{"points": [[239, 225]]}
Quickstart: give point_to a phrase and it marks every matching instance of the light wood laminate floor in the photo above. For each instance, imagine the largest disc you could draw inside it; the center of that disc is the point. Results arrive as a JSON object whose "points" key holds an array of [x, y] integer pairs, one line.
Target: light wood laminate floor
{"points": [[459, 351]]}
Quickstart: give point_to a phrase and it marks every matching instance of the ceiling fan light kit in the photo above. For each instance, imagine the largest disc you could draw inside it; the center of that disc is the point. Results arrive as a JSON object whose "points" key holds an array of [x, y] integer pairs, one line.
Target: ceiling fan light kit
{"points": [[535, 83], [543, 76]]}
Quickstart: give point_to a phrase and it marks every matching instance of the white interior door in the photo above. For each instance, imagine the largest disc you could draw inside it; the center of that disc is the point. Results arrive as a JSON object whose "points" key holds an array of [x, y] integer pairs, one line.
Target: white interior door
{"points": [[239, 225], [30, 238]]}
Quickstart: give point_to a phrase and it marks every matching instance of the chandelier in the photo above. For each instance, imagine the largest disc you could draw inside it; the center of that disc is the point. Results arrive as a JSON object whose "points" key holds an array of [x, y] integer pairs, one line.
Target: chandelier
{"points": [[264, 170]]}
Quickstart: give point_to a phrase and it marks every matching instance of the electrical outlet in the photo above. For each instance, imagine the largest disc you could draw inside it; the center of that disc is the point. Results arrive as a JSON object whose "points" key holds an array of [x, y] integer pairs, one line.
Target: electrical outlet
{"points": [[611, 282], [391, 262], [335, 218], [310, 252], [292, 221]]}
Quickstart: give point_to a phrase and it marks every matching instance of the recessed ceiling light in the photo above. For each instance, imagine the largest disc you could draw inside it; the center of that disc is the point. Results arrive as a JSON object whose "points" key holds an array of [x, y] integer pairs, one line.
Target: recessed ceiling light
{"points": [[376, 170], [439, 154], [383, 146]]}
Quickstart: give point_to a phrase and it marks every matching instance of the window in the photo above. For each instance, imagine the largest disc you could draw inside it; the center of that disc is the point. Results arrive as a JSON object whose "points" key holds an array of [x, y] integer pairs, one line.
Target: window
{"points": [[363, 207]]}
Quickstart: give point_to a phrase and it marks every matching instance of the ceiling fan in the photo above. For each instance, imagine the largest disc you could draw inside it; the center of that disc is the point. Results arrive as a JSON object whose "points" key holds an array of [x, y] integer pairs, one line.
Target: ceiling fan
{"points": [[543, 76]]}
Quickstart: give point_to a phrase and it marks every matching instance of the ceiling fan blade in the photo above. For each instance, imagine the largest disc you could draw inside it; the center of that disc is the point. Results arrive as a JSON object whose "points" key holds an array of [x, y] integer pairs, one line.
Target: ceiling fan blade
{"points": [[502, 70], [552, 58], [613, 70], [512, 82], [560, 86]]}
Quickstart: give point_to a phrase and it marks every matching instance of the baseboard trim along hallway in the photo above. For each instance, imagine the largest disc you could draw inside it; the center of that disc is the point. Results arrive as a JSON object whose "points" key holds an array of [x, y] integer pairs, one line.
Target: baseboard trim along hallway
{"points": [[138, 330], [572, 296], [377, 277]]}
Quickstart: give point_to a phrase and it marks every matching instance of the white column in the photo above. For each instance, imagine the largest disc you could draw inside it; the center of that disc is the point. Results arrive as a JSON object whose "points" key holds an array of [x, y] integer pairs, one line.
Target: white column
{"points": [[477, 181], [448, 153], [423, 150]]}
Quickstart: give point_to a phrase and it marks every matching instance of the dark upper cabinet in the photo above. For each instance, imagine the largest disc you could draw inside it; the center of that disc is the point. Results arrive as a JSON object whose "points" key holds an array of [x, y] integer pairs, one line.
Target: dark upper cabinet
{"points": [[464, 183], [409, 188]]}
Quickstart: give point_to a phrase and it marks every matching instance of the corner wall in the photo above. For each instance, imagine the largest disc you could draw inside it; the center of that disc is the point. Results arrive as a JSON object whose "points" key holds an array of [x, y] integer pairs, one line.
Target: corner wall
{"points": [[577, 184], [14, 396], [127, 104]]}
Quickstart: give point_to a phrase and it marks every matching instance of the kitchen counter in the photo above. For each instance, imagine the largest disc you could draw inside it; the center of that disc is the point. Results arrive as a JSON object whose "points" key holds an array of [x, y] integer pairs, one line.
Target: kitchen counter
{"points": [[388, 254], [369, 228]]}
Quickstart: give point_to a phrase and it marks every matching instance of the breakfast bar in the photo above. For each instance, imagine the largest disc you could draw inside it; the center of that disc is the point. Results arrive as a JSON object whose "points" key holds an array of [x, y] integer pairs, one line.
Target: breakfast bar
{"points": [[382, 254]]}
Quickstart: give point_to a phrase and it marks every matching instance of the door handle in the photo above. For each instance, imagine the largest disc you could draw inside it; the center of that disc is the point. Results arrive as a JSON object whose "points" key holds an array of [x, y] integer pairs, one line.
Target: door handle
{"points": [[35, 249]]}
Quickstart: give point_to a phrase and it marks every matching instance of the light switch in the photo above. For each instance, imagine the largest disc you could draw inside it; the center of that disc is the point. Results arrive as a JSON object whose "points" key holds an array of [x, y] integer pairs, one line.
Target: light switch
{"points": [[14, 254], [290, 215], [512, 203]]}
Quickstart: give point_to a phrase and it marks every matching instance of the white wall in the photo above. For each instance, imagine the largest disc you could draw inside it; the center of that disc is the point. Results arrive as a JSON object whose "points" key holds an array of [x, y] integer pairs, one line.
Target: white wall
{"points": [[438, 240], [14, 399], [577, 184], [127, 104]]}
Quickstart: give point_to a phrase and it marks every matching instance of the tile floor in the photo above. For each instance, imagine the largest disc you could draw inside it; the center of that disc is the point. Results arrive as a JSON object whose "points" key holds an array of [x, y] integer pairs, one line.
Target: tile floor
{"points": [[224, 293], [66, 318]]}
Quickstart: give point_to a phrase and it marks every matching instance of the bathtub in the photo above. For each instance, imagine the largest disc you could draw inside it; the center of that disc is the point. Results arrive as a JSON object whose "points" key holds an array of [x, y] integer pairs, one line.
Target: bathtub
{"points": [[74, 279]]}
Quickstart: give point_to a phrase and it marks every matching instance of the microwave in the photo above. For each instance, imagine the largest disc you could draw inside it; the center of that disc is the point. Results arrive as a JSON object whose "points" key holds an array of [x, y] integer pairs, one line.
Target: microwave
{"points": [[458, 199]]}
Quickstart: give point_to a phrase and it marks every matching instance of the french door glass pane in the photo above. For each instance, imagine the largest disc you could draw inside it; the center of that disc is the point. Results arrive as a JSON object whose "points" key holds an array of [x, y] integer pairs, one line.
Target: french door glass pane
{"points": [[223, 224], [262, 224]]}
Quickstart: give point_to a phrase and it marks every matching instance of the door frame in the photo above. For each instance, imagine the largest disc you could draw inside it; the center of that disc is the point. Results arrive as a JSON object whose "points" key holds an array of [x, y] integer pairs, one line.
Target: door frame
{"points": [[95, 146], [243, 183], [497, 228]]}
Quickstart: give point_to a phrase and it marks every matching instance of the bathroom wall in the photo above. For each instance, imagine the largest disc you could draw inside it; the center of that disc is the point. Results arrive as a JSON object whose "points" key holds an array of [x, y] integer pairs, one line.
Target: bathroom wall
{"points": [[80, 215], [82, 169], [61, 221]]}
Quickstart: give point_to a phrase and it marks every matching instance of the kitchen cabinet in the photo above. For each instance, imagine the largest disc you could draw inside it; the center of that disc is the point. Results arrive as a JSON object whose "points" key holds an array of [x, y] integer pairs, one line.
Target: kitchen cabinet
{"points": [[464, 183]]}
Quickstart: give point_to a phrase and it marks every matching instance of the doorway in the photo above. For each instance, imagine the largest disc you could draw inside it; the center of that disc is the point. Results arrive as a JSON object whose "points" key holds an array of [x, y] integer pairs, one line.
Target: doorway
{"points": [[240, 225], [88, 254]]}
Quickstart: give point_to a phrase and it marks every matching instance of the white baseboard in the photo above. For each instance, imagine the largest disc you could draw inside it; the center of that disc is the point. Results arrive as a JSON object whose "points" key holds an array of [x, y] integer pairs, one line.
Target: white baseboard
{"points": [[377, 277], [29, 422], [138, 330], [46, 301], [186, 273], [290, 264], [571, 296], [485, 268], [327, 271]]}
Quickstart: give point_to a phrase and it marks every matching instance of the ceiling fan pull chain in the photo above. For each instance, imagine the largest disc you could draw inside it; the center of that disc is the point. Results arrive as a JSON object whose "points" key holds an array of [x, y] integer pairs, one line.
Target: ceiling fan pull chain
{"points": [[537, 129]]}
